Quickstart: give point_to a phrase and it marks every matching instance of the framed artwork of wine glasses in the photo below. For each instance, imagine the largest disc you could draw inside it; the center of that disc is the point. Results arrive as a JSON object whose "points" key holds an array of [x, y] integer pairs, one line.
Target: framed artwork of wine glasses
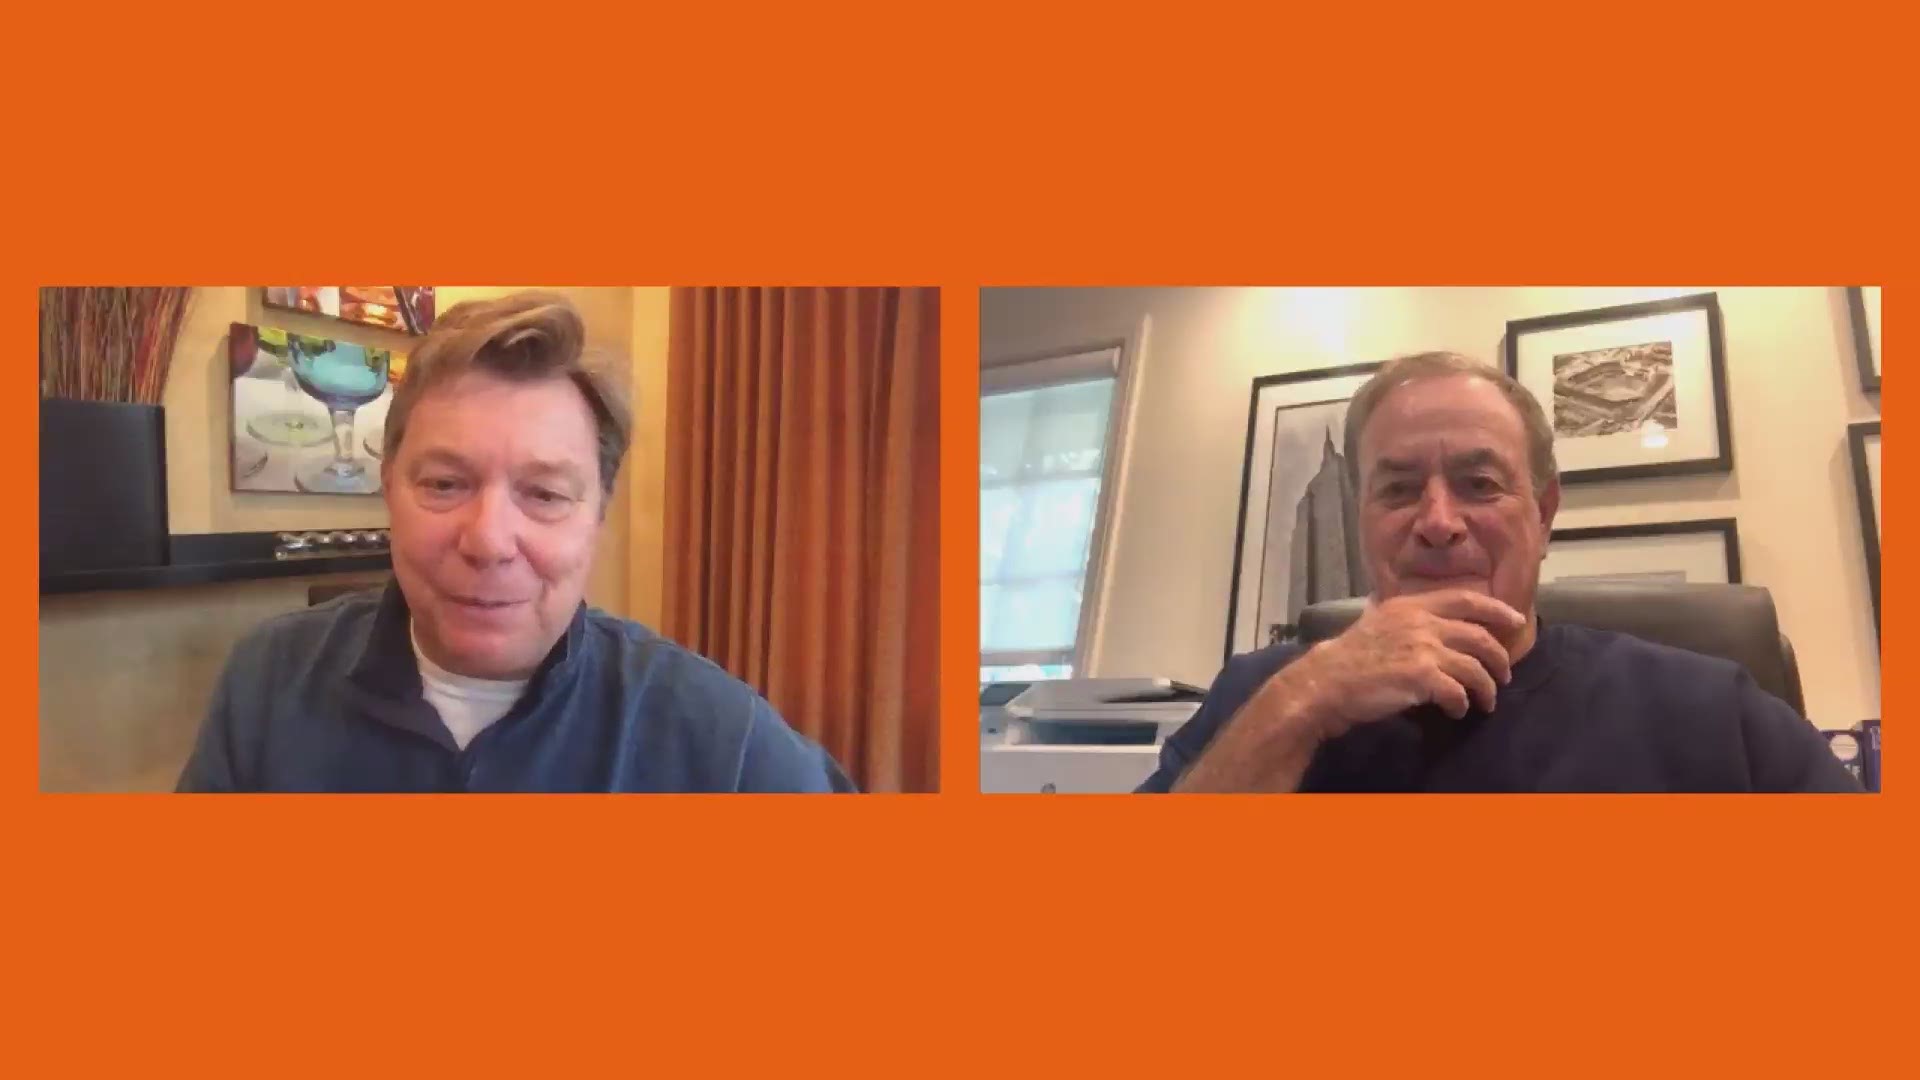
{"points": [[407, 308], [308, 413]]}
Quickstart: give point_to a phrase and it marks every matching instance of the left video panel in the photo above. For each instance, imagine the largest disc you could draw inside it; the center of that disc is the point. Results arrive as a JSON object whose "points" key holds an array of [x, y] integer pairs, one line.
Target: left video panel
{"points": [[492, 539]]}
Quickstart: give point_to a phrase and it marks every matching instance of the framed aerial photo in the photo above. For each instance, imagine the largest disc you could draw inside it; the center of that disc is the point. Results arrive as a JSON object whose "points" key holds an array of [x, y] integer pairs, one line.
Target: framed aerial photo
{"points": [[1632, 391]]}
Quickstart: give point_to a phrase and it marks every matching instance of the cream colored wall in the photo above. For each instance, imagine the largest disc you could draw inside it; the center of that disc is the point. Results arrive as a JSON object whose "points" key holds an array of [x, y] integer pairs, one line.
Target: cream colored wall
{"points": [[1792, 385], [198, 401], [125, 676]]}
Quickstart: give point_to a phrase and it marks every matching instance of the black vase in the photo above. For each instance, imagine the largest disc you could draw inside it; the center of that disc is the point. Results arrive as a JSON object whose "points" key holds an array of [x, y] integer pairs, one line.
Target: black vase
{"points": [[103, 486]]}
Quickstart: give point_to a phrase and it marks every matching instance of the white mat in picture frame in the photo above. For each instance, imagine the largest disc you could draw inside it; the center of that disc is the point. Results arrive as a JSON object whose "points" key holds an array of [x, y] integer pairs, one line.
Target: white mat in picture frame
{"points": [[1636, 390], [1673, 552]]}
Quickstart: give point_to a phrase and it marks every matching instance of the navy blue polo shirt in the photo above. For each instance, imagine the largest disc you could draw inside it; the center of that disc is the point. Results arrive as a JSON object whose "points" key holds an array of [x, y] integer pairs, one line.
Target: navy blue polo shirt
{"points": [[1586, 711], [329, 699]]}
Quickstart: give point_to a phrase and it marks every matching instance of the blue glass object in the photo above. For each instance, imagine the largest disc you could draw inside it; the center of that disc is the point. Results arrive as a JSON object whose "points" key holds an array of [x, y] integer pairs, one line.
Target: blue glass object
{"points": [[343, 377]]}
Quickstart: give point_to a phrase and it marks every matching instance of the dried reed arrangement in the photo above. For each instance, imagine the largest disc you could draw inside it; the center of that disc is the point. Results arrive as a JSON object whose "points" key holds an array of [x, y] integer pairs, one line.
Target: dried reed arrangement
{"points": [[107, 343]]}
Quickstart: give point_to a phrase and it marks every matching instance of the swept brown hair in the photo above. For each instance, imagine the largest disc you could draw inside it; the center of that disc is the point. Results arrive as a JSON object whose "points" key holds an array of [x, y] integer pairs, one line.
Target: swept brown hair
{"points": [[525, 337]]}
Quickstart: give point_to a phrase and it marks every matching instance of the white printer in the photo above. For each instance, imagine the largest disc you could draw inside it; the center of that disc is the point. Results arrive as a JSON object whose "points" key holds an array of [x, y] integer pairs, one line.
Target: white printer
{"points": [[1078, 735]]}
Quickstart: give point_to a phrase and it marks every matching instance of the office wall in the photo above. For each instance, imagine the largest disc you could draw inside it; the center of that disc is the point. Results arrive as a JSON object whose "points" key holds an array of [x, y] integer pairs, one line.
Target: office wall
{"points": [[125, 676], [1792, 386]]}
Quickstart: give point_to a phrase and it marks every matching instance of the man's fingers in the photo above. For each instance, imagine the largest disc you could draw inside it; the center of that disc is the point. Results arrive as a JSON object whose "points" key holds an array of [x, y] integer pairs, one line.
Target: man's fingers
{"points": [[1469, 606], [1446, 693], [1474, 640], [1471, 676]]}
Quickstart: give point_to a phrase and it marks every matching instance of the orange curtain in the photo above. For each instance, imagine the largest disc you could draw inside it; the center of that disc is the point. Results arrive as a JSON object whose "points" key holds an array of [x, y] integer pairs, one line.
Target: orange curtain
{"points": [[802, 520]]}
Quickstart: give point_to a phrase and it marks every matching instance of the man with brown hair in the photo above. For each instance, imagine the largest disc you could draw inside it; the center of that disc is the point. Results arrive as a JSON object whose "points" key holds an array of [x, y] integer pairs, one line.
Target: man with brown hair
{"points": [[480, 667], [1449, 681]]}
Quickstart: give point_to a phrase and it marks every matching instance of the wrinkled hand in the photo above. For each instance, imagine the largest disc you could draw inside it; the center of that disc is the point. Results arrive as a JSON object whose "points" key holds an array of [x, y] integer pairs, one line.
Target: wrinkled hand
{"points": [[1449, 648]]}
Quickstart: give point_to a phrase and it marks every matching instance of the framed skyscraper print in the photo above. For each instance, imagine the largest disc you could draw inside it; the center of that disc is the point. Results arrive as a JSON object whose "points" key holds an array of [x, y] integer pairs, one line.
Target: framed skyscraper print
{"points": [[1298, 539]]}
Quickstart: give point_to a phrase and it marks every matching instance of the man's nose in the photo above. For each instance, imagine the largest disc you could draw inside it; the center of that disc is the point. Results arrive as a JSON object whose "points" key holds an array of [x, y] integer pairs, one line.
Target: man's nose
{"points": [[1440, 524], [490, 533]]}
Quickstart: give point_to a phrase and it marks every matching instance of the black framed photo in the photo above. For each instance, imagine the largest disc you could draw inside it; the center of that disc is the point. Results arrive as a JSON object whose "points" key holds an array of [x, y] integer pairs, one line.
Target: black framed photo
{"points": [[1863, 444], [1298, 539], [1863, 309], [1632, 391], [1705, 551]]}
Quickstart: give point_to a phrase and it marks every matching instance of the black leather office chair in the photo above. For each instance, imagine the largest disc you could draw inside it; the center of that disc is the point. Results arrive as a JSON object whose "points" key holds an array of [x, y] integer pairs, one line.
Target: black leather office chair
{"points": [[1733, 621]]}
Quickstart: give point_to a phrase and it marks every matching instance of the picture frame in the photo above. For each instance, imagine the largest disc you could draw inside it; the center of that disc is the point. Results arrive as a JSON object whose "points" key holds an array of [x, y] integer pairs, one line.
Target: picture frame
{"points": [[1632, 391], [1863, 447], [307, 414], [1705, 550], [1293, 470], [407, 309], [1863, 311]]}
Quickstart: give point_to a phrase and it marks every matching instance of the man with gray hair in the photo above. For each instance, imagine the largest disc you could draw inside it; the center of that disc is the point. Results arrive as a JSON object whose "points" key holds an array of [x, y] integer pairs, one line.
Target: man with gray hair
{"points": [[1449, 681]]}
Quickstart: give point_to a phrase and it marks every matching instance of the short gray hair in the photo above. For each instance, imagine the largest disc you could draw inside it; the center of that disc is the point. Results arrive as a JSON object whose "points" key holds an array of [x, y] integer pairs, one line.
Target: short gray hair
{"points": [[1404, 369]]}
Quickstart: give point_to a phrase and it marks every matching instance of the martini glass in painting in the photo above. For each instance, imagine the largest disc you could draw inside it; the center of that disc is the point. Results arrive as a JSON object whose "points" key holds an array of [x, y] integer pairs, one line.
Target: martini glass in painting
{"points": [[296, 423], [343, 377]]}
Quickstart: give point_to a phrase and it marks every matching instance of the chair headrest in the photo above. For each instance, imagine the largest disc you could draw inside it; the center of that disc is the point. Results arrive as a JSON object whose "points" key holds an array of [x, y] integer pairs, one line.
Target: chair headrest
{"points": [[1737, 622]]}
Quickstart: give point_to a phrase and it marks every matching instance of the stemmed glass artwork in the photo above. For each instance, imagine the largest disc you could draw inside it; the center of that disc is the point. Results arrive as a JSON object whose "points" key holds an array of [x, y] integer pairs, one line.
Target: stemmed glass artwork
{"points": [[297, 422], [297, 399], [342, 377]]}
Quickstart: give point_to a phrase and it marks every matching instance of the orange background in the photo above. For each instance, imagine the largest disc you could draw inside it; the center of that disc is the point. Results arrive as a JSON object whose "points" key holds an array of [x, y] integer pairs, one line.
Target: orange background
{"points": [[903, 935]]}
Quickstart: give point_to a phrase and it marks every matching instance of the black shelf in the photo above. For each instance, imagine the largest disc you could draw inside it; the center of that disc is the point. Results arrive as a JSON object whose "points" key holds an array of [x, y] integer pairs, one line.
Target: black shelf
{"points": [[211, 558]]}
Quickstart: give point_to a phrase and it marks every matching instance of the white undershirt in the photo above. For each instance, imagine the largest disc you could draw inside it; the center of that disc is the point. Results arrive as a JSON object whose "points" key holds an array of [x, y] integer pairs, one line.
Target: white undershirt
{"points": [[466, 705]]}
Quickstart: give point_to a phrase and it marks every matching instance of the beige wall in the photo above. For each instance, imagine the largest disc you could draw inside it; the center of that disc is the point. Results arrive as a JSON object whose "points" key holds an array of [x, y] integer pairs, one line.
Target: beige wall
{"points": [[125, 676], [200, 425], [1792, 385]]}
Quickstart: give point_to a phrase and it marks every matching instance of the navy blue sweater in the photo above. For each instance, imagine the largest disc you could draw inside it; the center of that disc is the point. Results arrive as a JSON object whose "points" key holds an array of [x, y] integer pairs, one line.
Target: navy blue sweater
{"points": [[329, 699], [1587, 710]]}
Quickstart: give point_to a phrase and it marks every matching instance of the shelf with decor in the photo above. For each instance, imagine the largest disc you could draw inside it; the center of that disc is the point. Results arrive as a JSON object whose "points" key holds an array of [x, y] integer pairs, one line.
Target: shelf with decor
{"points": [[105, 354], [211, 558]]}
